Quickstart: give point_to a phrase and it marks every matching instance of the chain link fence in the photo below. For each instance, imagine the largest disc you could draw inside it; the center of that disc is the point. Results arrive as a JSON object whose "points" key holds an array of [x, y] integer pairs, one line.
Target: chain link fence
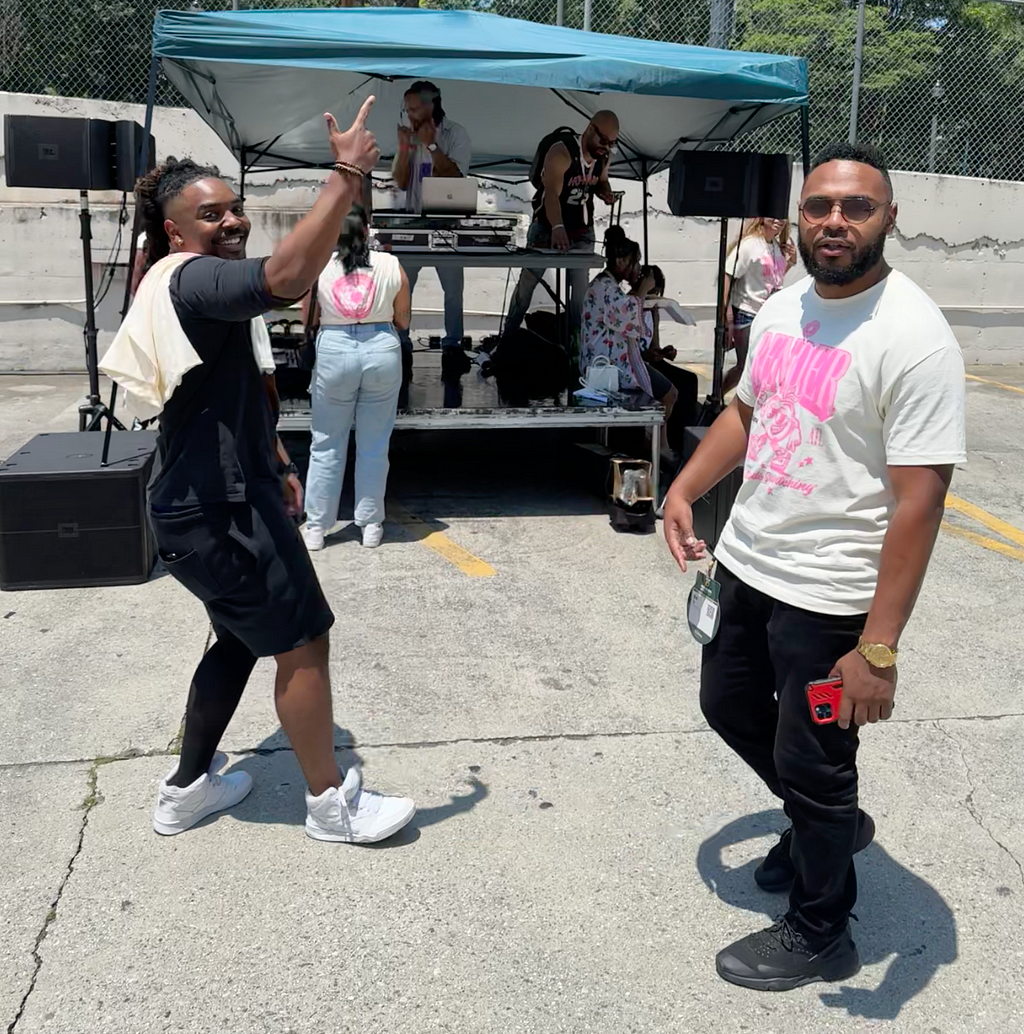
{"points": [[942, 81]]}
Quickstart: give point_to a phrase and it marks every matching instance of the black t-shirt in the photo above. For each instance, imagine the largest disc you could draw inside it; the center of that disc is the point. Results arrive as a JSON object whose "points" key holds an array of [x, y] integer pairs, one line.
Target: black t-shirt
{"points": [[217, 435]]}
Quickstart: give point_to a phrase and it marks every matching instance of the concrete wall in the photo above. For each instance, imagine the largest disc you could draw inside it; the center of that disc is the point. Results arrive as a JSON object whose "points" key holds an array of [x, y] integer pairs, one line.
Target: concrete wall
{"points": [[961, 239]]}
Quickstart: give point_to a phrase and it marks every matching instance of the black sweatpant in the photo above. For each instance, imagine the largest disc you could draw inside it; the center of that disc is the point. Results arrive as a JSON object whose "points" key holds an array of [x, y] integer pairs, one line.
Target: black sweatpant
{"points": [[752, 692]]}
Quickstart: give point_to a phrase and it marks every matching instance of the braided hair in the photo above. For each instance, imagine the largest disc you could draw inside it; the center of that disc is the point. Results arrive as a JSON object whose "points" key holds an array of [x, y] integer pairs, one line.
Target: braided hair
{"points": [[155, 189], [427, 91]]}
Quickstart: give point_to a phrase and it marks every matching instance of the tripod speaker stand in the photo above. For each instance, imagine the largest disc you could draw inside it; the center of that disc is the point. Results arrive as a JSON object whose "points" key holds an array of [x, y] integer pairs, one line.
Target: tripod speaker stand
{"points": [[80, 154], [92, 412]]}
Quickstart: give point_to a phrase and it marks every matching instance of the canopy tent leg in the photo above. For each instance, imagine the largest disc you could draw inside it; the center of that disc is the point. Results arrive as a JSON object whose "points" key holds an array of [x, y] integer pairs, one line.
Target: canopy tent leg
{"points": [[643, 185], [718, 376], [241, 173], [805, 138], [133, 246]]}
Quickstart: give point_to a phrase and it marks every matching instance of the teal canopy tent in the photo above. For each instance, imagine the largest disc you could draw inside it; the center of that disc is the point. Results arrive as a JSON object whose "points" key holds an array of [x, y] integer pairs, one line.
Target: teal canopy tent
{"points": [[262, 80]]}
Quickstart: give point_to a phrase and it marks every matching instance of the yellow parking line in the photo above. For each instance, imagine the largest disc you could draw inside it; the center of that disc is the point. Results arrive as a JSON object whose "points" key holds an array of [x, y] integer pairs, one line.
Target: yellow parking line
{"points": [[983, 540], [995, 384], [461, 558], [990, 521]]}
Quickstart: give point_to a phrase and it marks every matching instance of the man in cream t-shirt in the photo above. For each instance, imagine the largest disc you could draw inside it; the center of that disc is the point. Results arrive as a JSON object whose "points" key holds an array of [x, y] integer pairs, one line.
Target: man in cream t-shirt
{"points": [[848, 419]]}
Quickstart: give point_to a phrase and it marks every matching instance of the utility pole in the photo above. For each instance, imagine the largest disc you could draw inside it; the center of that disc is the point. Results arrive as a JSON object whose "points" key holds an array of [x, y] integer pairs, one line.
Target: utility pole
{"points": [[858, 59]]}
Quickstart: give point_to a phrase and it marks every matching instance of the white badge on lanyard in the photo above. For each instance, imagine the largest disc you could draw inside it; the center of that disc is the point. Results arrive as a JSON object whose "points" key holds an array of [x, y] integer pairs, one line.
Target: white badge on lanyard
{"points": [[703, 610]]}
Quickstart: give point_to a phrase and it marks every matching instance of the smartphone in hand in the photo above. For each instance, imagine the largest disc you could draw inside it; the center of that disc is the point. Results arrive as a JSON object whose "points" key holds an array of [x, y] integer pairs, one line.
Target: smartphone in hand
{"points": [[823, 697]]}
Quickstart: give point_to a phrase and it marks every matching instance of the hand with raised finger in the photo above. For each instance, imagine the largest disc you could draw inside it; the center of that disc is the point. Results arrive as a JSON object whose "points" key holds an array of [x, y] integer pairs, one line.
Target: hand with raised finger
{"points": [[357, 145]]}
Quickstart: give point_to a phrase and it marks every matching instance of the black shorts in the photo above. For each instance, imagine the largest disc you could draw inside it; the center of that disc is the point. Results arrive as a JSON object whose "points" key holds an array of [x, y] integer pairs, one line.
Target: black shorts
{"points": [[247, 563]]}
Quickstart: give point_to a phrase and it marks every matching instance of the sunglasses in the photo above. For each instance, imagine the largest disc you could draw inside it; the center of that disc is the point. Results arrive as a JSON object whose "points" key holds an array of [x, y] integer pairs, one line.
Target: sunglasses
{"points": [[853, 209], [610, 144]]}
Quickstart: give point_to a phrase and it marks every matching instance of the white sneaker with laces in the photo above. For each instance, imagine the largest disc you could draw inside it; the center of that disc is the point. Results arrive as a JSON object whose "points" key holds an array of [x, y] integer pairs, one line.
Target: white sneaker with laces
{"points": [[372, 535], [348, 814], [180, 808], [313, 537]]}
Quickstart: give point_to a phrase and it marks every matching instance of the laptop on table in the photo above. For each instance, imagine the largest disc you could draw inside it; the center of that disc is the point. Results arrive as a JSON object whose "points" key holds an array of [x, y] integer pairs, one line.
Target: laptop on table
{"points": [[443, 195]]}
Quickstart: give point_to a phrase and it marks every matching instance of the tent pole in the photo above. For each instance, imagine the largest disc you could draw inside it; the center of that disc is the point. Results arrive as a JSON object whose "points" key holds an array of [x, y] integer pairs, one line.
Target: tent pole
{"points": [[241, 173], [718, 375], [805, 138], [643, 183]]}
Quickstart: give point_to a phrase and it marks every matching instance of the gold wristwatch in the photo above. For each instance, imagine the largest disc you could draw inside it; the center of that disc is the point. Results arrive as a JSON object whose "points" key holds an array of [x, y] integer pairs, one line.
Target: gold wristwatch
{"points": [[878, 655]]}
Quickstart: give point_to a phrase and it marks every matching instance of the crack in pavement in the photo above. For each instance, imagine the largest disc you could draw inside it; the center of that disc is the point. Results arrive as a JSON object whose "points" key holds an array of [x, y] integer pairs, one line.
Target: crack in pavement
{"points": [[969, 801], [173, 749], [92, 798]]}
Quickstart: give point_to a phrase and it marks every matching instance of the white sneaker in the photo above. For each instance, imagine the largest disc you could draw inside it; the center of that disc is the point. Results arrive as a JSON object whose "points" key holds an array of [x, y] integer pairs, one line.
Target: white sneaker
{"points": [[313, 537], [180, 808], [349, 814], [372, 535]]}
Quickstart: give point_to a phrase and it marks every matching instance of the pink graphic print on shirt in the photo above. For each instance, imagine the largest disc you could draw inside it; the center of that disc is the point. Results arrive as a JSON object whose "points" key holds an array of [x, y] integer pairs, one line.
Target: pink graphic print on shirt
{"points": [[790, 375], [354, 294], [773, 269]]}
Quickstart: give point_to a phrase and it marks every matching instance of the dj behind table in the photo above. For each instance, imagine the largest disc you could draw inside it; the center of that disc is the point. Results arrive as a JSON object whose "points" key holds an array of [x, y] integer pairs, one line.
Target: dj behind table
{"points": [[453, 233]]}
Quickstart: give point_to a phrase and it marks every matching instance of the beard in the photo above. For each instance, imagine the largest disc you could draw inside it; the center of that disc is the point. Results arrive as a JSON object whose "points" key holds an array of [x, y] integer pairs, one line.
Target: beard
{"points": [[863, 260]]}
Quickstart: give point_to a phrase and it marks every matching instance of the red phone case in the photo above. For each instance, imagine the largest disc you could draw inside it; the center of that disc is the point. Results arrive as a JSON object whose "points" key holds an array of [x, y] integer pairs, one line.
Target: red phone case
{"points": [[823, 699]]}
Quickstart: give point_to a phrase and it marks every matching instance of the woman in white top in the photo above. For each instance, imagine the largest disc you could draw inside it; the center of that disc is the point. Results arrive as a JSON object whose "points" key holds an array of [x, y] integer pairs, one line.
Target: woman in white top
{"points": [[364, 300], [765, 255]]}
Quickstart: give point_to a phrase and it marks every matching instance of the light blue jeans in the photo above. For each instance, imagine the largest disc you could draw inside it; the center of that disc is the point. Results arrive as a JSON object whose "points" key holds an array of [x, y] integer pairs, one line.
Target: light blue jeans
{"points": [[356, 379]]}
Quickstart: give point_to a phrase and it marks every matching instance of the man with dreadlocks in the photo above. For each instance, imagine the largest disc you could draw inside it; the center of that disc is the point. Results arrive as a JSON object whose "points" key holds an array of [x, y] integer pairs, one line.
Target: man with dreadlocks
{"points": [[222, 500]]}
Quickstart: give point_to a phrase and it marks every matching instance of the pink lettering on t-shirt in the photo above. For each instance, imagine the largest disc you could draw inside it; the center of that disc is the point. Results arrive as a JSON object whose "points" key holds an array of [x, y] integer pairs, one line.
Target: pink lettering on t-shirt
{"points": [[801, 370]]}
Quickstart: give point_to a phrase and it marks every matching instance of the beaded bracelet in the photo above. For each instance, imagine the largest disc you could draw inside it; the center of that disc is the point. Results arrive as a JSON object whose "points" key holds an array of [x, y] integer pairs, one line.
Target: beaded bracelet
{"points": [[347, 168]]}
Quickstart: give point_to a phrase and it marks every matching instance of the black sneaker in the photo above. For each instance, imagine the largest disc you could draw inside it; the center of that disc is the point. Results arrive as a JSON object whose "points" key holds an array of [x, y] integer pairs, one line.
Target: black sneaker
{"points": [[776, 873], [780, 958]]}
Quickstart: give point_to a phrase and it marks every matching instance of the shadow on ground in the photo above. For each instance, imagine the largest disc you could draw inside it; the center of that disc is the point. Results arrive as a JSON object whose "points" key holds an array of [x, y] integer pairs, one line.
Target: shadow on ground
{"points": [[900, 915], [278, 795]]}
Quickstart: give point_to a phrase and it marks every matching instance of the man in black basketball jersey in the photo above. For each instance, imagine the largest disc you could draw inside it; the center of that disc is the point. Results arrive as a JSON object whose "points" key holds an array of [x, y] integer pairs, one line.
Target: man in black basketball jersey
{"points": [[573, 170]]}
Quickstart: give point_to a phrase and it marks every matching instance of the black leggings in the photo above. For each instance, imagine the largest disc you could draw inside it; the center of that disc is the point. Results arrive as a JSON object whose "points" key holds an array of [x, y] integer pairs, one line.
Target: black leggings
{"points": [[752, 692], [216, 689]]}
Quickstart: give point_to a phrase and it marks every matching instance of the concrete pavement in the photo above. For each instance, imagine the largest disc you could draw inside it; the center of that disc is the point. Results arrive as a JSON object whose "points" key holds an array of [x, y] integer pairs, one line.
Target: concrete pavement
{"points": [[584, 843]]}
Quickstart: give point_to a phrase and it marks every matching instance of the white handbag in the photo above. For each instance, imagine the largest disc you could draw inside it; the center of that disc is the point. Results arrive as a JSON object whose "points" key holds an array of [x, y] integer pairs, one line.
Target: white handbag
{"points": [[601, 375]]}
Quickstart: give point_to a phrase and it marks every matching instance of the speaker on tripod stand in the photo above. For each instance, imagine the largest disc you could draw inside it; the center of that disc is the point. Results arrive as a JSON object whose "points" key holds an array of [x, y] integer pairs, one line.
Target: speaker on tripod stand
{"points": [[83, 154]]}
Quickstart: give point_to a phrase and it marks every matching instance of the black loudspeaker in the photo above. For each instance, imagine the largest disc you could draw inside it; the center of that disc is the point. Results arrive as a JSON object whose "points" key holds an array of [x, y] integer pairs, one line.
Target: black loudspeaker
{"points": [[58, 153], [711, 511], [73, 153], [730, 184], [127, 144], [65, 521]]}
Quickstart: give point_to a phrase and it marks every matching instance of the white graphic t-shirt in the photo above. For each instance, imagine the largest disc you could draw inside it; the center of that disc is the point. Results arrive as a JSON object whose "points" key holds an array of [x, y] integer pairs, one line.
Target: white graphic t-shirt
{"points": [[366, 295], [841, 389], [760, 269]]}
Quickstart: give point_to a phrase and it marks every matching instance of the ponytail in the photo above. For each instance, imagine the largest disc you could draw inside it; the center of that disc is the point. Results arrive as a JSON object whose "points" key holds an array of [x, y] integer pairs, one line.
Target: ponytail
{"points": [[354, 241]]}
